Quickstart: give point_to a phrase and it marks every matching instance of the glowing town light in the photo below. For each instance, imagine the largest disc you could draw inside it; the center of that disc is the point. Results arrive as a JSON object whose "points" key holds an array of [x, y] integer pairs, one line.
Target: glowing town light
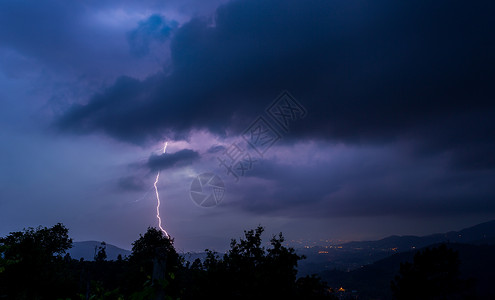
{"points": [[158, 198]]}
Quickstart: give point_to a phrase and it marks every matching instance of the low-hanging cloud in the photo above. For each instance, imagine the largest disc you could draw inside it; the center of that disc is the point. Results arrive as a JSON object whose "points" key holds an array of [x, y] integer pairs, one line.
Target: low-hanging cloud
{"points": [[170, 160], [362, 183]]}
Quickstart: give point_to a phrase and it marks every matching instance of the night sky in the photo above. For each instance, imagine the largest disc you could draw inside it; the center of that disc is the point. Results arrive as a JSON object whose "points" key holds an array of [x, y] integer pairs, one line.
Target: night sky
{"points": [[392, 129]]}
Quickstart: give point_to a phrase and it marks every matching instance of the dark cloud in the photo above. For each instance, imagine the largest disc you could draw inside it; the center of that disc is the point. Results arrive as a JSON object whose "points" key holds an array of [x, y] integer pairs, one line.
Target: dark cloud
{"points": [[154, 29], [367, 185], [85, 41], [366, 72], [54, 34], [215, 149], [165, 161]]}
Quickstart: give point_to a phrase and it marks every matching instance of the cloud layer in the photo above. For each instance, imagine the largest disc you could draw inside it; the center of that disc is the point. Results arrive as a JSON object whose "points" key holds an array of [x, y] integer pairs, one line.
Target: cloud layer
{"points": [[165, 161], [367, 73]]}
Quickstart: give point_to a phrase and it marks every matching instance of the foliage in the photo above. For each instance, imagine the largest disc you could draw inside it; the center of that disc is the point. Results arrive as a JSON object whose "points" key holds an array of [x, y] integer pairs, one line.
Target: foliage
{"points": [[312, 288], [101, 255], [41, 242], [152, 252], [32, 267], [434, 274], [249, 271], [32, 264]]}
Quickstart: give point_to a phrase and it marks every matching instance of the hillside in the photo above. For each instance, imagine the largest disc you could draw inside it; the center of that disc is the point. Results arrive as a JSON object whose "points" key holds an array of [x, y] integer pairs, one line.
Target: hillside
{"points": [[354, 255], [373, 281], [483, 233], [86, 250]]}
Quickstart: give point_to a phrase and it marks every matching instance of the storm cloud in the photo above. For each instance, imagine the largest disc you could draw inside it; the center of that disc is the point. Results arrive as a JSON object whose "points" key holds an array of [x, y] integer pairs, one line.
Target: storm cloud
{"points": [[178, 159], [366, 72], [155, 29], [363, 182]]}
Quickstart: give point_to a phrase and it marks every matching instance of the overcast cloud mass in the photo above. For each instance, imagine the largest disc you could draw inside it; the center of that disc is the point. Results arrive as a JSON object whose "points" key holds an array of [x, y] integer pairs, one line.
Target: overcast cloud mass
{"points": [[398, 136]]}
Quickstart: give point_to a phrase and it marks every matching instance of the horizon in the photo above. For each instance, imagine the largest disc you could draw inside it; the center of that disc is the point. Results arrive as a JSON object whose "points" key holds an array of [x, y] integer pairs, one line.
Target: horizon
{"points": [[301, 243]]}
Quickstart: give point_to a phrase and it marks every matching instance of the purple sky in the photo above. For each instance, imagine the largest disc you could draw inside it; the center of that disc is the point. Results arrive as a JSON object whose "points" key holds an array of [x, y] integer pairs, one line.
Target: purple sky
{"points": [[398, 135]]}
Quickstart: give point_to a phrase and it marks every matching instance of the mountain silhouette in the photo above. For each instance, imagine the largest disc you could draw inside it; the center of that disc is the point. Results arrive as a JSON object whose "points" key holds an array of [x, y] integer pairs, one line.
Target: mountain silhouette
{"points": [[86, 250], [373, 281], [483, 233]]}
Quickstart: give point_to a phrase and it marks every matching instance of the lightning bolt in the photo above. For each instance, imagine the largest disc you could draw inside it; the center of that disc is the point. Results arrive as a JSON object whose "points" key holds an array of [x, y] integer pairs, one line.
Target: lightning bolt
{"points": [[158, 199]]}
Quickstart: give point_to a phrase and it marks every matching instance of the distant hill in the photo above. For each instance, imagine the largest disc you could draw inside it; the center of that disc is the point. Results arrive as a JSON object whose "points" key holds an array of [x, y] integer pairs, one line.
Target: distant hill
{"points": [[354, 255], [192, 256], [86, 250], [483, 233], [373, 281]]}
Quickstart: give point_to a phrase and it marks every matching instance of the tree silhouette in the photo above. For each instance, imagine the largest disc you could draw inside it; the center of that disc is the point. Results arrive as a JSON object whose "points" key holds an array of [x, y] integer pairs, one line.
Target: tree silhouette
{"points": [[32, 267], [434, 274], [101, 255], [250, 271], [154, 262], [33, 263]]}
